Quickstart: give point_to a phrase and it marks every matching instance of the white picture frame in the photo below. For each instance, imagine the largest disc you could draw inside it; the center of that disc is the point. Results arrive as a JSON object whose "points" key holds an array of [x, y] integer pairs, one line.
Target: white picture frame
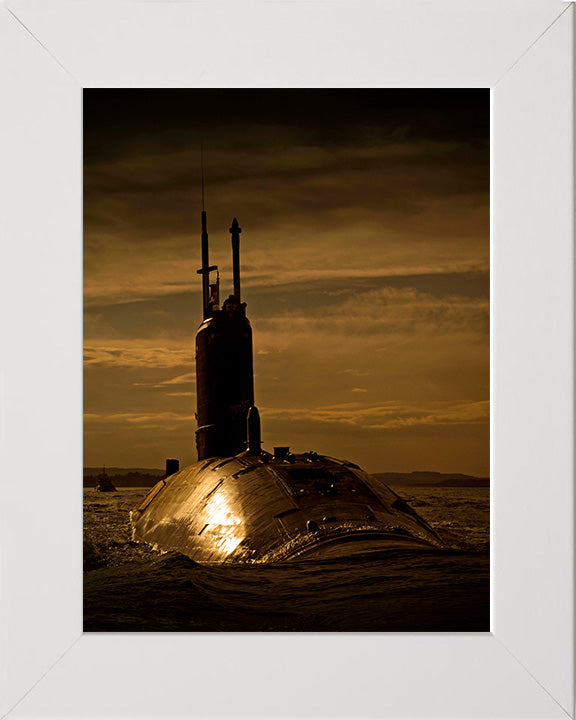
{"points": [[523, 51]]}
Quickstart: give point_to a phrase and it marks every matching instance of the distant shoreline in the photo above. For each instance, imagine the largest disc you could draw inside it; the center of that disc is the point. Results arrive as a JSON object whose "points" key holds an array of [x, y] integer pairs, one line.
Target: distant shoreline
{"points": [[124, 477], [433, 479], [147, 477]]}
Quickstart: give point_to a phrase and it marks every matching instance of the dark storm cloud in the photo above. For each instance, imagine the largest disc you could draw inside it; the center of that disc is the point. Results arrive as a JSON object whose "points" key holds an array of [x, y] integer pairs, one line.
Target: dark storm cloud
{"points": [[277, 153], [148, 194], [178, 171], [116, 121]]}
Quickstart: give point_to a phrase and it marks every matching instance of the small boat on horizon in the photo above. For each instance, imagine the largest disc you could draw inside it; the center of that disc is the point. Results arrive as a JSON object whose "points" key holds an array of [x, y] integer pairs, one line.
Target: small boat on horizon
{"points": [[104, 482]]}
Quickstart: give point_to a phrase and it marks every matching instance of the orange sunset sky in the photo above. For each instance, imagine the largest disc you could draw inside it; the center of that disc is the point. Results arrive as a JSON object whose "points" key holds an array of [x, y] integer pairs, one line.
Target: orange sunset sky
{"points": [[365, 268]]}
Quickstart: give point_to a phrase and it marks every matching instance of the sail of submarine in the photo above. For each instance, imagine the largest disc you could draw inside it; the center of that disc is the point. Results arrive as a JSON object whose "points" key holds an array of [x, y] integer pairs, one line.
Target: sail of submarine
{"points": [[241, 504]]}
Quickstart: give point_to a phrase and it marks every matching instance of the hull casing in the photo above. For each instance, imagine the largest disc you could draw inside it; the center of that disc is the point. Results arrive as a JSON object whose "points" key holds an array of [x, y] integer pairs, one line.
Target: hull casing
{"points": [[248, 508]]}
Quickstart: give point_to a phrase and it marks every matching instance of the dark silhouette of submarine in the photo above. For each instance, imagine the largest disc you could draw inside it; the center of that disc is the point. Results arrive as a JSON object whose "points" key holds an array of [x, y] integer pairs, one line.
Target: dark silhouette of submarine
{"points": [[241, 504]]}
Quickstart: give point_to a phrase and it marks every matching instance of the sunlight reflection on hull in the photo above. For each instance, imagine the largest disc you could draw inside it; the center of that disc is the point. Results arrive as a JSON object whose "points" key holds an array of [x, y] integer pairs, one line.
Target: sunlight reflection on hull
{"points": [[223, 523]]}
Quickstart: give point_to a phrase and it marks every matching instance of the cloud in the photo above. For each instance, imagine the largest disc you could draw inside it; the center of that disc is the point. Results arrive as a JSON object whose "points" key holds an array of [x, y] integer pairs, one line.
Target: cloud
{"points": [[356, 417], [388, 315], [140, 353], [181, 379], [305, 253], [364, 255], [354, 373], [178, 380], [285, 163], [387, 416], [144, 420], [309, 211]]}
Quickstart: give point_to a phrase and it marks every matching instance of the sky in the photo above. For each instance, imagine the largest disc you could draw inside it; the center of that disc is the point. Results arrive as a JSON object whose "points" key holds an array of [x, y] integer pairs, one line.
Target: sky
{"points": [[364, 262]]}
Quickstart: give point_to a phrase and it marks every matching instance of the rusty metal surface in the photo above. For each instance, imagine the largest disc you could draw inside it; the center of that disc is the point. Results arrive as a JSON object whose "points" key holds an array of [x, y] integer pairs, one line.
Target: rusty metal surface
{"points": [[260, 509]]}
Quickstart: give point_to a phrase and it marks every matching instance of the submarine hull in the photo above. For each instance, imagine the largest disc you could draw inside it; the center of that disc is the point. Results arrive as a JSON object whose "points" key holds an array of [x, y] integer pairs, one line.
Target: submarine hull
{"points": [[254, 508]]}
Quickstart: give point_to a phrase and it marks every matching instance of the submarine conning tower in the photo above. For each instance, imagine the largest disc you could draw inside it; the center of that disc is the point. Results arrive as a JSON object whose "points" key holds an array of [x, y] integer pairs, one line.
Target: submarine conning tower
{"points": [[224, 365]]}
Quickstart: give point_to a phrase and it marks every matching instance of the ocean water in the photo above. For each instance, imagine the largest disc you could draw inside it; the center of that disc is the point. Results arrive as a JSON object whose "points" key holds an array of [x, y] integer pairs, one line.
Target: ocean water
{"points": [[128, 586]]}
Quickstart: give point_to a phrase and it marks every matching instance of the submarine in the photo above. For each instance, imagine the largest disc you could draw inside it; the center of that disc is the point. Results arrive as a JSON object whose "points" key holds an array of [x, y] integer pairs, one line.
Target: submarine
{"points": [[242, 504]]}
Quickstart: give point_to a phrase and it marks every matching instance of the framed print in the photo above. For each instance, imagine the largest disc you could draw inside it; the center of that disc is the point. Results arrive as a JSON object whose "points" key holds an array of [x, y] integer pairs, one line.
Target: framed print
{"points": [[340, 371], [55, 50]]}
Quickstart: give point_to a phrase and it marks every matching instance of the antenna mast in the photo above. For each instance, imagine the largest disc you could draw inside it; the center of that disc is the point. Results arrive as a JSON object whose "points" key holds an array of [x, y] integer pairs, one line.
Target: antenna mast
{"points": [[235, 231], [206, 267], [202, 171]]}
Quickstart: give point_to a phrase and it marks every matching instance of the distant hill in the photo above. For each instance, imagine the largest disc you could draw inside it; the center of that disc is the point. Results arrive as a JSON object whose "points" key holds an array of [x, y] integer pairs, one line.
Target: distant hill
{"points": [[124, 477], [146, 477], [122, 471], [432, 479]]}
